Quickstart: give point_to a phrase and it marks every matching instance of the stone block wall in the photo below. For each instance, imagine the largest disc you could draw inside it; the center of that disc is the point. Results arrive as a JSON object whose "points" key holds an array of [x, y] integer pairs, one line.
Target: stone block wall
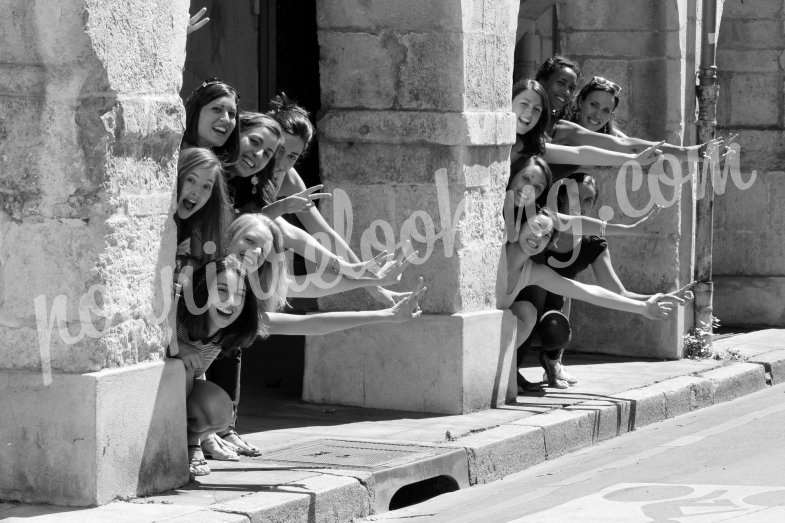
{"points": [[642, 46], [409, 90], [749, 237], [90, 126]]}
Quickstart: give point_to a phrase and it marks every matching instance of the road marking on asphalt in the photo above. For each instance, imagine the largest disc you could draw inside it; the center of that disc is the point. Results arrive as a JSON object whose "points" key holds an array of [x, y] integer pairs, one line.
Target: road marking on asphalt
{"points": [[649, 502]]}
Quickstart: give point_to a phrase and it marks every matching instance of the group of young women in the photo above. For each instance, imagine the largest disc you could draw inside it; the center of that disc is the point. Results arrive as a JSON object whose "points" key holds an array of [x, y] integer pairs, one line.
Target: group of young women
{"points": [[549, 241], [235, 179]]}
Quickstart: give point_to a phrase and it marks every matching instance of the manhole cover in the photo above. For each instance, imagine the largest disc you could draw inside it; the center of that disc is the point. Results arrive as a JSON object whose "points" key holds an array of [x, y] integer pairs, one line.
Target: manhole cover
{"points": [[351, 454]]}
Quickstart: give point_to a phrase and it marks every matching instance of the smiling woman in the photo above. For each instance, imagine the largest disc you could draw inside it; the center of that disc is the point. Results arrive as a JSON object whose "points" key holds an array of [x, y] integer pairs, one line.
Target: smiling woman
{"points": [[211, 119]]}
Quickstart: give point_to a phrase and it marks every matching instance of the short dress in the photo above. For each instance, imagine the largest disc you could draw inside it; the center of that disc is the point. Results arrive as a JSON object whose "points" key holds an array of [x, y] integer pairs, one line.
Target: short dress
{"points": [[504, 297]]}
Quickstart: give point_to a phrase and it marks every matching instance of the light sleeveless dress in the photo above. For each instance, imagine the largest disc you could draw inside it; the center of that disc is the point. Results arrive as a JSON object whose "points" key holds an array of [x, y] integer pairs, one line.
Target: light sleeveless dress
{"points": [[505, 298]]}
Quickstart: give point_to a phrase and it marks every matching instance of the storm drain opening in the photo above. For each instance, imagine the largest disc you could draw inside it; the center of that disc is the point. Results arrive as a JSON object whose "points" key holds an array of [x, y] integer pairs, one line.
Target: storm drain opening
{"points": [[420, 491]]}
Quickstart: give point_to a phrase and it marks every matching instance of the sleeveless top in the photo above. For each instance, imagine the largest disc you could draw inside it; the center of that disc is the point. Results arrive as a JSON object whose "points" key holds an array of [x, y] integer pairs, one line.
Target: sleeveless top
{"points": [[504, 296]]}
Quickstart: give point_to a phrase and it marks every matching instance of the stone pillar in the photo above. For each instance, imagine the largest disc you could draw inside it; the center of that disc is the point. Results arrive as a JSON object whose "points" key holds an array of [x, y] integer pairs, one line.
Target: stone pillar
{"points": [[749, 218], [90, 125], [645, 47], [416, 129]]}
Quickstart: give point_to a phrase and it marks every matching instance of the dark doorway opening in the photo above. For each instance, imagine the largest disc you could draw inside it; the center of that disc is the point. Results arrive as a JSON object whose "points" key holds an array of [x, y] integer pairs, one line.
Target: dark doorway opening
{"points": [[262, 47]]}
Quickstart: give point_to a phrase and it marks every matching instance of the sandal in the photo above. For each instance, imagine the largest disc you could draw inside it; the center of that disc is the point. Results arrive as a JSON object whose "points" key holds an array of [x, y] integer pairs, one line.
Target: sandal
{"points": [[525, 385], [562, 375], [197, 466], [244, 448], [215, 448], [551, 373]]}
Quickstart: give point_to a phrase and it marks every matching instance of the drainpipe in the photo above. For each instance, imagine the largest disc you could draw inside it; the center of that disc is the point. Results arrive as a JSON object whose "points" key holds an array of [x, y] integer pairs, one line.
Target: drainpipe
{"points": [[707, 93]]}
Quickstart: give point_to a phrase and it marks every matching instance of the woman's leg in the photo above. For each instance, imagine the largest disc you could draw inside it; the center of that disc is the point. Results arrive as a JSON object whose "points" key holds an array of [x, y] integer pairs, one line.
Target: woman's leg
{"points": [[526, 314], [555, 332]]}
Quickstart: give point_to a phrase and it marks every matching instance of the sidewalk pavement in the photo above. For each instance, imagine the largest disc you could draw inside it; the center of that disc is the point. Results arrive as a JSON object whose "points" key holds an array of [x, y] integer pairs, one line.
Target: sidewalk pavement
{"points": [[335, 464]]}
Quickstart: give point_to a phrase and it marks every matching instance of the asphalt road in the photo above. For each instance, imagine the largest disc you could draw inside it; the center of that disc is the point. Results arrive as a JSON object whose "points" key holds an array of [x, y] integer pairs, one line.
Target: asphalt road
{"points": [[722, 463]]}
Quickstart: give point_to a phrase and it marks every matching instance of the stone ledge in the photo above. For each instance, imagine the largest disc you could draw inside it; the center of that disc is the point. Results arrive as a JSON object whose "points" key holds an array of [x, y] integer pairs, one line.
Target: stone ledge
{"points": [[773, 363], [398, 127], [564, 430], [736, 380]]}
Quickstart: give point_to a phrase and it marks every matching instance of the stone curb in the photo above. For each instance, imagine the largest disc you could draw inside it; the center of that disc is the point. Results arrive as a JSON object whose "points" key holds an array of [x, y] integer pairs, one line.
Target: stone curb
{"points": [[492, 454], [515, 446], [495, 453]]}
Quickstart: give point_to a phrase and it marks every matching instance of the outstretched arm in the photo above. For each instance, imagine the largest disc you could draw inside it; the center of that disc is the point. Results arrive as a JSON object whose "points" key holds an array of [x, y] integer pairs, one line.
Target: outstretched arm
{"points": [[587, 226], [575, 135], [314, 222], [327, 322], [546, 278], [308, 247], [319, 284], [588, 155]]}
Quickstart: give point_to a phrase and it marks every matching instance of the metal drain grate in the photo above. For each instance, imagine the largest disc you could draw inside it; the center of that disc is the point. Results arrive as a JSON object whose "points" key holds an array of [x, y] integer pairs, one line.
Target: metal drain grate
{"points": [[351, 454]]}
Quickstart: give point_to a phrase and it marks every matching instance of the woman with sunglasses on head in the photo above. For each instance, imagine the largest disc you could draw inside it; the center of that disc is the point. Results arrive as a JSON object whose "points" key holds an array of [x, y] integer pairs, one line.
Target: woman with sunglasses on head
{"points": [[211, 120], [590, 122], [531, 106]]}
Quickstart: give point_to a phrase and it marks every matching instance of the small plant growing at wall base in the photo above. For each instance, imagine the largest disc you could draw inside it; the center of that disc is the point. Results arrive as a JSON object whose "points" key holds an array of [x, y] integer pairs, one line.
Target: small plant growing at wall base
{"points": [[697, 342]]}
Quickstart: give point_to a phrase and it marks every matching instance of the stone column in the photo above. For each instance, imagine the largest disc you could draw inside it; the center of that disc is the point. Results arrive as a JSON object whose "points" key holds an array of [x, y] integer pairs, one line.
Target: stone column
{"points": [[90, 124], [416, 129], [645, 47]]}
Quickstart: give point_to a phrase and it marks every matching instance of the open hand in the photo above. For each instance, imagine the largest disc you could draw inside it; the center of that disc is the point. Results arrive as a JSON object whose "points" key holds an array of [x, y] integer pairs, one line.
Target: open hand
{"points": [[196, 22], [409, 307], [391, 272], [660, 306]]}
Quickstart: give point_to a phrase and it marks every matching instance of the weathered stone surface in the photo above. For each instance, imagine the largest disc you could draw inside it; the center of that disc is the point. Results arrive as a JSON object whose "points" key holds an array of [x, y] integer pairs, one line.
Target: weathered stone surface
{"points": [[748, 61], [751, 9], [618, 44], [86, 439], [748, 99], [617, 15], [750, 300], [359, 70], [399, 127], [450, 364], [487, 79], [433, 68], [380, 15], [736, 33]]}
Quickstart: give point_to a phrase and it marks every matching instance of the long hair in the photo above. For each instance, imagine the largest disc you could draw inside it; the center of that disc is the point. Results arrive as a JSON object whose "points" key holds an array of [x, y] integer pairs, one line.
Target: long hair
{"points": [[294, 119], [271, 280], [534, 141], [241, 332], [263, 189], [597, 83], [211, 221], [201, 96], [528, 161]]}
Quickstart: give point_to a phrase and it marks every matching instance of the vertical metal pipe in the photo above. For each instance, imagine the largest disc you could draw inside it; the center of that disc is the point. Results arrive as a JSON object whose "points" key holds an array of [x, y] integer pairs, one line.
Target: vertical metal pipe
{"points": [[707, 92]]}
